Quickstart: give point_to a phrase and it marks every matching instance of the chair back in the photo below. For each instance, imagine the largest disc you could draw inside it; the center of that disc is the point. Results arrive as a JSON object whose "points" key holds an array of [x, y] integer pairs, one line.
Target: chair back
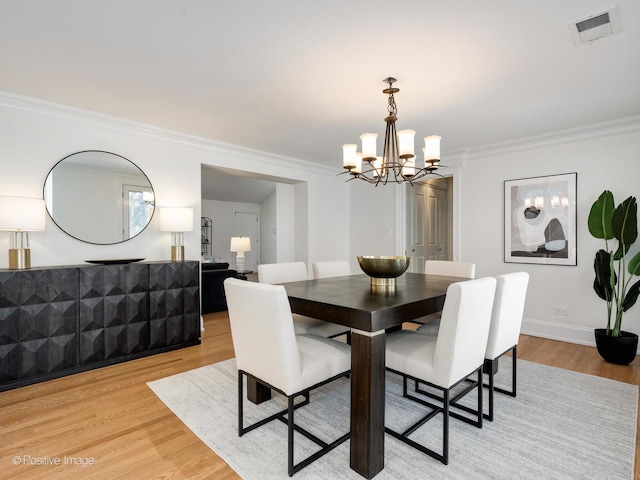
{"points": [[264, 340], [274, 273], [508, 309], [334, 268], [464, 330], [450, 269]]}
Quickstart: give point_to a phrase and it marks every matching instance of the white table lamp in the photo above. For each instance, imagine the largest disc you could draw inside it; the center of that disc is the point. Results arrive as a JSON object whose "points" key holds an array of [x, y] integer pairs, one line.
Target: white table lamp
{"points": [[21, 215], [240, 245], [176, 220]]}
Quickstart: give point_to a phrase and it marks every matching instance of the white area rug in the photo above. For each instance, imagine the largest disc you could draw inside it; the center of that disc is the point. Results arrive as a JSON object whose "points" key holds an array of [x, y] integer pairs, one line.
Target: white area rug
{"points": [[562, 425]]}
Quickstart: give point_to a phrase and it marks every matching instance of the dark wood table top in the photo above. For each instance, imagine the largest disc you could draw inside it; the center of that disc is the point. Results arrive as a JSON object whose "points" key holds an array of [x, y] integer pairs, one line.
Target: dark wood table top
{"points": [[351, 301]]}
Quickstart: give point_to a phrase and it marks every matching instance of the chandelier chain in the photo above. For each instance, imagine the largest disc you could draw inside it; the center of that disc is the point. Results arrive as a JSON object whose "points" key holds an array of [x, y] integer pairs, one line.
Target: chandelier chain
{"points": [[391, 107]]}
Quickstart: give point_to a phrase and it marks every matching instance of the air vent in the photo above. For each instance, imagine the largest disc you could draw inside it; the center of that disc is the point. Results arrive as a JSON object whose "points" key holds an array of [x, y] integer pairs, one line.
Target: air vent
{"points": [[596, 26]]}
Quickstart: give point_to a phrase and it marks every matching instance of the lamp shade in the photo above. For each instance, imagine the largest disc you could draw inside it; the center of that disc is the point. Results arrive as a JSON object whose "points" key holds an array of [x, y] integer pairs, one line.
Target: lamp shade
{"points": [[405, 143], [240, 244], [432, 148], [369, 146], [176, 219], [349, 155], [22, 213], [358, 167]]}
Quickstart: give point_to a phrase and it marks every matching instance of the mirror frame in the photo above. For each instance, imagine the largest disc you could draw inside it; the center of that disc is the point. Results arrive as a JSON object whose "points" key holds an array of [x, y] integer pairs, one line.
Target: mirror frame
{"points": [[44, 196]]}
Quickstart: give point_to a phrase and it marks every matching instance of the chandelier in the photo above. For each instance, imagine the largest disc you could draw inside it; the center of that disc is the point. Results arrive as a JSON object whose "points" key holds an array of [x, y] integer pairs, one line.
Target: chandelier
{"points": [[397, 162]]}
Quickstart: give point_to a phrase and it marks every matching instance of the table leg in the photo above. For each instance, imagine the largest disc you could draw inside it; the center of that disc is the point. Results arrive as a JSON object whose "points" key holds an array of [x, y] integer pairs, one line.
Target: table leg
{"points": [[257, 392], [367, 402]]}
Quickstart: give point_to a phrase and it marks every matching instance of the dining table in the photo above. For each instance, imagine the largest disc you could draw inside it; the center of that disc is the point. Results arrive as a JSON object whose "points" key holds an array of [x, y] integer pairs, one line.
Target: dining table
{"points": [[370, 311]]}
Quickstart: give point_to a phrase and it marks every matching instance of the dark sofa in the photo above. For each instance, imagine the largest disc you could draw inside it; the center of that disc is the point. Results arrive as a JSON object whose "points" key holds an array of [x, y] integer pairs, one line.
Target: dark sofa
{"points": [[212, 286]]}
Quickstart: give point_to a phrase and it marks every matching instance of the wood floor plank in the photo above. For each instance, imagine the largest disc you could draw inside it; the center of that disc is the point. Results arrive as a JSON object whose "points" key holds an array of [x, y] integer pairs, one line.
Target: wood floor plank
{"points": [[111, 416]]}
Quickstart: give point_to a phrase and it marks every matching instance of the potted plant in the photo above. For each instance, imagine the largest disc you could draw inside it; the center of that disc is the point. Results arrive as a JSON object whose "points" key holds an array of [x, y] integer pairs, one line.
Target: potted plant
{"points": [[614, 273]]}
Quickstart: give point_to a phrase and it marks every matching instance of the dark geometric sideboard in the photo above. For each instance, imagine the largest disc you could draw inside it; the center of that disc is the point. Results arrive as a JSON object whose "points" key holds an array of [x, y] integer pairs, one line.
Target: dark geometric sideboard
{"points": [[61, 320]]}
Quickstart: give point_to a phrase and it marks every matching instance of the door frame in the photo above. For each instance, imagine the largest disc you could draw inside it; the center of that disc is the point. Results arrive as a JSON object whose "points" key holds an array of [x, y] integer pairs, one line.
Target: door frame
{"points": [[401, 215]]}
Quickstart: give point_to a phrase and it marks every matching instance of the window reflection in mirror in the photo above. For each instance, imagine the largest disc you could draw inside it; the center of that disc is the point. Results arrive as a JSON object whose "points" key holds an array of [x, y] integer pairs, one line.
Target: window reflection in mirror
{"points": [[99, 197], [136, 209]]}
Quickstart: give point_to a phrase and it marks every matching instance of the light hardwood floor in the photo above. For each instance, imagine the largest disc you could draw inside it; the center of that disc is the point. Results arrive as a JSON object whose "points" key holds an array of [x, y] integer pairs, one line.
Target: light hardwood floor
{"points": [[110, 416]]}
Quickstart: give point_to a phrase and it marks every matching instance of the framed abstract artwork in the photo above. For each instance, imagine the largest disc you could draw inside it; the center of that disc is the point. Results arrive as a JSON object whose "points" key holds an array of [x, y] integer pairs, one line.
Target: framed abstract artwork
{"points": [[540, 220]]}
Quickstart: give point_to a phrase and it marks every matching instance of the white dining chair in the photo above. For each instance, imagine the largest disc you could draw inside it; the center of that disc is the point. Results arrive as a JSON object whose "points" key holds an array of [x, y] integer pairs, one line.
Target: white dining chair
{"points": [[504, 333], [330, 268], [268, 350], [431, 323], [276, 273], [447, 360], [506, 322], [450, 268]]}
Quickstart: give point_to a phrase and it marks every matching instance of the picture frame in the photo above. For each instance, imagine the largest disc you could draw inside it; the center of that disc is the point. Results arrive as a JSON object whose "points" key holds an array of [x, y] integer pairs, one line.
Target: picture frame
{"points": [[540, 220]]}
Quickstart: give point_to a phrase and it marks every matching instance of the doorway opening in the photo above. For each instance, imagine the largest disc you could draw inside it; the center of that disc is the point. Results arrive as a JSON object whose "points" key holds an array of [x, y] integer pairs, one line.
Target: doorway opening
{"points": [[271, 211]]}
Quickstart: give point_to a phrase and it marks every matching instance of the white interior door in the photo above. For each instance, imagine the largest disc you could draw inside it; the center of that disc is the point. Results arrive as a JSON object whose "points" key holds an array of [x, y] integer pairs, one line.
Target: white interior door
{"points": [[438, 226], [415, 235], [429, 217], [247, 224]]}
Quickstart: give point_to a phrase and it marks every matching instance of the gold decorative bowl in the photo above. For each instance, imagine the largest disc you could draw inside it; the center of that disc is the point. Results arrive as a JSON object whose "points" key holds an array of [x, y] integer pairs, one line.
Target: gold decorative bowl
{"points": [[383, 270]]}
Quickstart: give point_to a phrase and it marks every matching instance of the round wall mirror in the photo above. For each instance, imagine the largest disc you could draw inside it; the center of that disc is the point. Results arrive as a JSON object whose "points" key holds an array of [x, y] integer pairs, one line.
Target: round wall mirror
{"points": [[99, 197]]}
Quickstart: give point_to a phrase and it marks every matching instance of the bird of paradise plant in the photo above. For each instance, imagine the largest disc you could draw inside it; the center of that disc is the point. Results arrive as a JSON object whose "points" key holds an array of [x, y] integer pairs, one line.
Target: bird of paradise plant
{"points": [[614, 274]]}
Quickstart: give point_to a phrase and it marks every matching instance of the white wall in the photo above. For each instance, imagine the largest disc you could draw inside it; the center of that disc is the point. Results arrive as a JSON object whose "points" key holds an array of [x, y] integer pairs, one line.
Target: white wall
{"points": [[285, 223], [604, 157], [302, 212], [374, 212], [268, 230], [34, 135]]}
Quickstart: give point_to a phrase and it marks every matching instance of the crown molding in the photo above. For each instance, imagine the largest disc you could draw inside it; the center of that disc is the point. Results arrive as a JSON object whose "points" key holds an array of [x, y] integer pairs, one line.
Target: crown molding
{"points": [[456, 158], [43, 108], [588, 132]]}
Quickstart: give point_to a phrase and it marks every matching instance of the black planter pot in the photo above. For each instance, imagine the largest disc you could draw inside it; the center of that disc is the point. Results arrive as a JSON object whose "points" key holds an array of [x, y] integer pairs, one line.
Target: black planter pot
{"points": [[620, 350]]}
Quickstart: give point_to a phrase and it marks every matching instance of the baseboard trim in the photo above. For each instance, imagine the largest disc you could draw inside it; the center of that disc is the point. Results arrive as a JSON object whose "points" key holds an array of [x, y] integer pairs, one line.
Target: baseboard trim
{"points": [[559, 331]]}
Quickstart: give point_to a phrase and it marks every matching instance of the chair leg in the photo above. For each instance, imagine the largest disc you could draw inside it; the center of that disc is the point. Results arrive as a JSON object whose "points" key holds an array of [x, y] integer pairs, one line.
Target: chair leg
{"points": [[240, 406], [290, 426], [514, 358], [480, 395], [491, 389], [445, 427]]}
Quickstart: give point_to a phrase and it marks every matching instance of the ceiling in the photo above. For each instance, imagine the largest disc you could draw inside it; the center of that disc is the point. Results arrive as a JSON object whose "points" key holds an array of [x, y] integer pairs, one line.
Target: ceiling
{"points": [[299, 78]]}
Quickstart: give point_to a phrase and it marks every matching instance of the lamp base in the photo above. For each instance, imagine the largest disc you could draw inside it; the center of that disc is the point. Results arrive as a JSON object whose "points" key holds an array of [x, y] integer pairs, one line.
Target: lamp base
{"points": [[19, 258], [240, 263], [177, 253]]}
